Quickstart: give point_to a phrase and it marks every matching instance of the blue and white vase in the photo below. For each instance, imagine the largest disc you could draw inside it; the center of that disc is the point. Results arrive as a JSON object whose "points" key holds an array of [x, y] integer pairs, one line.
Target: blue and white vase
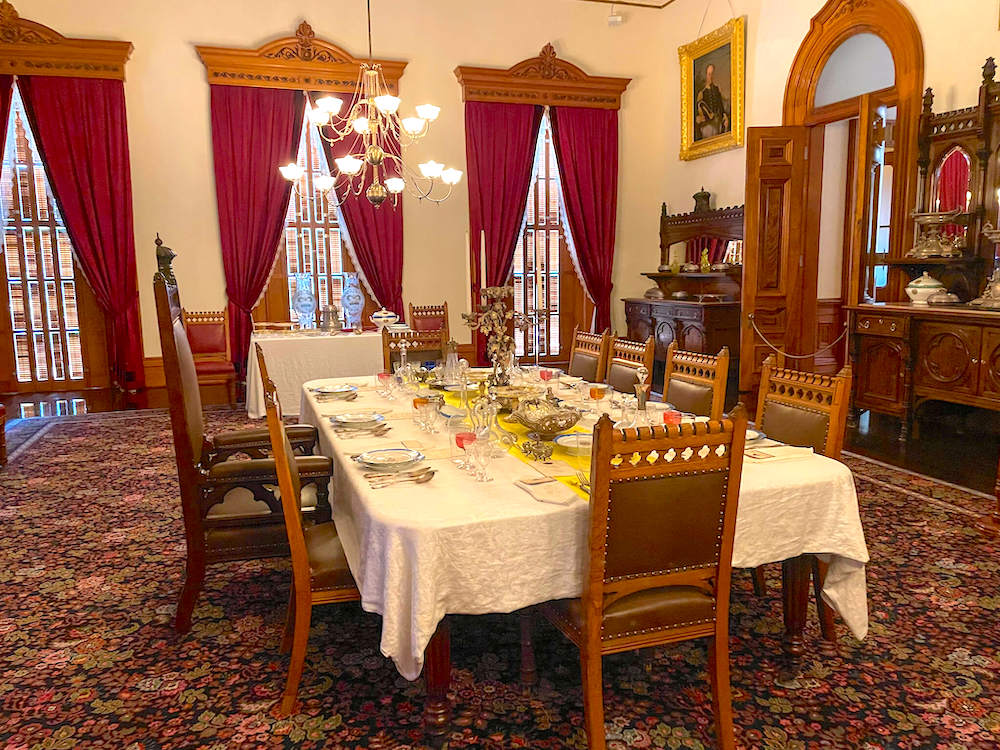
{"points": [[352, 300], [304, 301]]}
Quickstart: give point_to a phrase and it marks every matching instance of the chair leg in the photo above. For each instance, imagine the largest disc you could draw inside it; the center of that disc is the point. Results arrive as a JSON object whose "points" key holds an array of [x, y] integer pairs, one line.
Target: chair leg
{"points": [[231, 392], [722, 700], [194, 579], [300, 639], [289, 629], [759, 581], [593, 700], [825, 612]]}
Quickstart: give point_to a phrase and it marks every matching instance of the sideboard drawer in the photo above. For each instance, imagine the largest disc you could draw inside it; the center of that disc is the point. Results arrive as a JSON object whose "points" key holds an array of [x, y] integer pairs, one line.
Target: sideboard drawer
{"points": [[882, 325]]}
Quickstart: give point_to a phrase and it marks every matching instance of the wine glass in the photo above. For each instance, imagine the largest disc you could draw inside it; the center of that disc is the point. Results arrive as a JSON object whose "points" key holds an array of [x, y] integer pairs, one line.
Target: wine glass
{"points": [[383, 381], [464, 440], [482, 453]]}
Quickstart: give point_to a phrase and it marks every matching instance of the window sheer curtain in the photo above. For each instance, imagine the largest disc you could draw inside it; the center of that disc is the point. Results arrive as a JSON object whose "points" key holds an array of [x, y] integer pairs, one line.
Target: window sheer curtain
{"points": [[253, 131], [586, 146], [80, 129]]}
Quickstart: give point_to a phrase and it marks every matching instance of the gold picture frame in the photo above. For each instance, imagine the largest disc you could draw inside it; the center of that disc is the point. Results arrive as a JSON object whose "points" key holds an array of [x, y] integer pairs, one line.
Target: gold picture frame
{"points": [[712, 114]]}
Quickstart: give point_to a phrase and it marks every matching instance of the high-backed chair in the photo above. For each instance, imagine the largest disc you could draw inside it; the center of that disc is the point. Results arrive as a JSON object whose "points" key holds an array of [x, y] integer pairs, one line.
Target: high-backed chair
{"points": [[805, 409], [320, 574], [421, 346], [221, 525], [696, 383], [208, 336], [641, 590], [624, 360], [430, 318], [588, 359]]}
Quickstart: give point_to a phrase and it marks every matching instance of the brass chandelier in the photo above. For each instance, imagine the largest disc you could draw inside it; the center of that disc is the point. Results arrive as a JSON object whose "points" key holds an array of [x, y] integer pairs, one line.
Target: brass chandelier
{"points": [[377, 167]]}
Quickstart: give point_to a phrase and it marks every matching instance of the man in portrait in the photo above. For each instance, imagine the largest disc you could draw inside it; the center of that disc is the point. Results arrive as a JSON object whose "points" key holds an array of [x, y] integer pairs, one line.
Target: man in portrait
{"points": [[711, 114]]}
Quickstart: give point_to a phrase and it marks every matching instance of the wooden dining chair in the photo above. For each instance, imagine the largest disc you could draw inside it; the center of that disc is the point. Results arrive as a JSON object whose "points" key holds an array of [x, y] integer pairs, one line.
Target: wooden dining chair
{"points": [[320, 574], [805, 409], [421, 346], [208, 336], [588, 358], [662, 521], [695, 382], [624, 360], [220, 527], [430, 318]]}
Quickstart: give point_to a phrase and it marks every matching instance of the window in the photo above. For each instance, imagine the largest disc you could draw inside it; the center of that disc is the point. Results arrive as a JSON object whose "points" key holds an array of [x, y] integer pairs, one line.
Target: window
{"points": [[313, 240], [38, 269], [541, 255]]}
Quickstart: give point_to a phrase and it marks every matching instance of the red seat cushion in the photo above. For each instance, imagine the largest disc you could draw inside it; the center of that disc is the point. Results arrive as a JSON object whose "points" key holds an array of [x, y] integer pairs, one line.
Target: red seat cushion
{"points": [[214, 367]]}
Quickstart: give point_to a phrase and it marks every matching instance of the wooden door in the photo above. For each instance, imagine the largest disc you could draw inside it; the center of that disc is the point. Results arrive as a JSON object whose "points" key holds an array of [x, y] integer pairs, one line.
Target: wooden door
{"points": [[780, 246], [948, 357], [880, 378], [989, 364]]}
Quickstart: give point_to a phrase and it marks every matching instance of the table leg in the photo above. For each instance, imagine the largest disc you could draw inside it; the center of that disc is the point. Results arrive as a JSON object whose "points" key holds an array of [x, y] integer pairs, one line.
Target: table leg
{"points": [[529, 674], [437, 680], [795, 601]]}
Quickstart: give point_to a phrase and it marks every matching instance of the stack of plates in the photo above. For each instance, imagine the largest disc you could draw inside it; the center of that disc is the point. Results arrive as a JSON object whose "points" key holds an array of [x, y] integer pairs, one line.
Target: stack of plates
{"points": [[390, 459], [358, 420], [342, 390]]}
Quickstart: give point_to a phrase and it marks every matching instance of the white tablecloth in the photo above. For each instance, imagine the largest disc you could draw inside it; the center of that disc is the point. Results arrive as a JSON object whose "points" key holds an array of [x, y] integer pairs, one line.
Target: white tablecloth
{"points": [[455, 546], [293, 358]]}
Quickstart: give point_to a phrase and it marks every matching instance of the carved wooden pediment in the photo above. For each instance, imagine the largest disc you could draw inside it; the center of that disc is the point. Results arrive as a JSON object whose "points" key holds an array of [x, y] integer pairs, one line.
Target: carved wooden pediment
{"points": [[29, 48], [545, 79], [302, 61]]}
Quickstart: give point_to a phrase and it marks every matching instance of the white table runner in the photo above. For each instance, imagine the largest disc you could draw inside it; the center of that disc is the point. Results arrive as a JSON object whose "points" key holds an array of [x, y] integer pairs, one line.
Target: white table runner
{"points": [[293, 358], [456, 546]]}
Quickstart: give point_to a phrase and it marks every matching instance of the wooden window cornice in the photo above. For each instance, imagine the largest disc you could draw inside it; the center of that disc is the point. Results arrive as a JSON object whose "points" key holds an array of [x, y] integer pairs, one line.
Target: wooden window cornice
{"points": [[544, 80], [29, 48], [296, 62]]}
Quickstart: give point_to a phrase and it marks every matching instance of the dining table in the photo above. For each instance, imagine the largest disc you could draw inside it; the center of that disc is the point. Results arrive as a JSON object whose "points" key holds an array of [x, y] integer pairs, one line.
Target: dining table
{"points": [[455, 545], [294, 357]]}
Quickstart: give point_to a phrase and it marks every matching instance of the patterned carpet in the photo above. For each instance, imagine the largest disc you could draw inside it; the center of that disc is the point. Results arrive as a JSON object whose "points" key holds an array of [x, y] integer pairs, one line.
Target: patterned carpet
{"points": [[90, 564]]}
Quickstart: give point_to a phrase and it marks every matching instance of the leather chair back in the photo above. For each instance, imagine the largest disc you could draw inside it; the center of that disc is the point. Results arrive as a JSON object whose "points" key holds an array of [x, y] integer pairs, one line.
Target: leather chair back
{"points": [[208, 333], [804, 408], [589, 356], [430, 318], [421, 346], [695, 382], [626, 358], [663, 510]]}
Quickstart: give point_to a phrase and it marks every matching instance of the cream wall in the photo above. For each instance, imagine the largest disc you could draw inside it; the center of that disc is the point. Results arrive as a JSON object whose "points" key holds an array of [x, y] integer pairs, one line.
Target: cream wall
{"points": [[170, 136]]}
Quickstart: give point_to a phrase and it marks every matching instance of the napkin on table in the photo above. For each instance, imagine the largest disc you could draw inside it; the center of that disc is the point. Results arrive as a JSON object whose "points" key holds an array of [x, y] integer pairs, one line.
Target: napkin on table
{"points": [[552, 492]]}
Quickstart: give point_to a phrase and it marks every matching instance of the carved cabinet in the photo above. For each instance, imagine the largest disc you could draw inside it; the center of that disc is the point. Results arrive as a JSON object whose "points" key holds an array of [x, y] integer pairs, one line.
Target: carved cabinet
{"points": [[696, 326]]}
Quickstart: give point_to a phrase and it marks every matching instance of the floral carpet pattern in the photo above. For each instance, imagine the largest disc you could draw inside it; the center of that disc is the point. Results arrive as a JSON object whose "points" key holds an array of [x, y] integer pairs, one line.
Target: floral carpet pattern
{"points": [[91, 558]]}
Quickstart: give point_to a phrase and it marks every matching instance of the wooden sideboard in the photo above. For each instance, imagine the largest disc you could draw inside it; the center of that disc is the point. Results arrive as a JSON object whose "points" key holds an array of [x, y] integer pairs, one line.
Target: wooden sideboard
{"points": [[905, 355], [703, 327]]}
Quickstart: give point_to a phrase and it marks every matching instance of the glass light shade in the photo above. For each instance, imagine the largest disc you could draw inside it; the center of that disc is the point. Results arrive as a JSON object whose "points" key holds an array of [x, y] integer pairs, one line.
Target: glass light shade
{"points": [[318, 116], [349, 165], [330, 104], [395, 184], [431, 169], [292, 172], [323, 182], [413, 125], [451, 176], [387, 103], [428, 112], [361, 125]]}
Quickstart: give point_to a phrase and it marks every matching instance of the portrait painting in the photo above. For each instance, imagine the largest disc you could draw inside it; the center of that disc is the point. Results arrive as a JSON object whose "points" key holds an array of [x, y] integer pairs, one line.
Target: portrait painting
{"points": [[712, 91]]}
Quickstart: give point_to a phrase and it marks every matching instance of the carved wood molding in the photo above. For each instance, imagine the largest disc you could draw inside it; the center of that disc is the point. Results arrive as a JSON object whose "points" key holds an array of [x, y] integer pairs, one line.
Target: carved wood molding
{"points": [[29, 48], [545, 79], [302, 61]]}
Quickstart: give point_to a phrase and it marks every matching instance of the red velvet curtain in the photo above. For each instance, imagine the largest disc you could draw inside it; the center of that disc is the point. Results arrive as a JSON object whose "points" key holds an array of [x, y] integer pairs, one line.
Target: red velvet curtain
{"points": [[80, 127], [6, 88], [253, 131], [376, 233], [953, 183], [499, 147], [716, 249], [586, 146]]}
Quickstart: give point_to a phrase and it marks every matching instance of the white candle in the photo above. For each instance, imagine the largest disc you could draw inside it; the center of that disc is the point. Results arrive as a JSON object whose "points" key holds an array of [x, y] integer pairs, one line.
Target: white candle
{"points": [[468, 271], [482, 259]]}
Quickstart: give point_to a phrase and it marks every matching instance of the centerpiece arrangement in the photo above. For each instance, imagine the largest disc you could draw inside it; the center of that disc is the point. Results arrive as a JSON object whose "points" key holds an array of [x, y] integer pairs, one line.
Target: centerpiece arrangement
{"points": [[495, 319]]}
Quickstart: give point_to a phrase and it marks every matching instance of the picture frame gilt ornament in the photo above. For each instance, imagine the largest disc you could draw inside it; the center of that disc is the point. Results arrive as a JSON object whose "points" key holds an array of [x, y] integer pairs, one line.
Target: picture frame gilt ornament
{"points": [[712, 91]]}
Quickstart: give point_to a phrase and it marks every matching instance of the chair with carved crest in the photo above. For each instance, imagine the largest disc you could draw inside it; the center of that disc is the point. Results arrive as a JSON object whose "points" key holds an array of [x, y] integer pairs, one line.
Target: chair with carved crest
{"points": [[229, 507], [421, 346], [208, 336], [806, 409], [588, 356], [672, 482], [430, 318], [624, 361], [696, 383], [320, 574]]}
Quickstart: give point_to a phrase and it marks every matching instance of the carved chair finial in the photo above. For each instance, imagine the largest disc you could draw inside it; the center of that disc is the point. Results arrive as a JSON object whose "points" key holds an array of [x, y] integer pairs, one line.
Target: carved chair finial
{"points": [[164, 259], [989, 70]]}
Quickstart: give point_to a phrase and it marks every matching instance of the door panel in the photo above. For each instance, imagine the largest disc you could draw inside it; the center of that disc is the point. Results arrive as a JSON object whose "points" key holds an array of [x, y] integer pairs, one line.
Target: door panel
{"points": [[989, 374], [948, 357], [880, 366]]}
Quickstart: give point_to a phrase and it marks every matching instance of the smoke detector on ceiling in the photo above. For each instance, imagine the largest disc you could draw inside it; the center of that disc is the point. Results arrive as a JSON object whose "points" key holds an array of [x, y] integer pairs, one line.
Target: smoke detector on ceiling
{"points": [[615, 18]]}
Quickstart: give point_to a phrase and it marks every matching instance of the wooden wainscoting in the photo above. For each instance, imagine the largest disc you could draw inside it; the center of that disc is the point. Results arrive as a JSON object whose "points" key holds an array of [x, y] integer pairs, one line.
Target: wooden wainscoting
{"points": [[829, 325]]}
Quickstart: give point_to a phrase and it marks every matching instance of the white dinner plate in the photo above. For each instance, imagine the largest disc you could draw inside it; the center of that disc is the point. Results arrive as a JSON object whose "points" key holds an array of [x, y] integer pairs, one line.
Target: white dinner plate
{"points": [[357, 419], [576, 443], [341, 389], [390, 459], [753, 434]]}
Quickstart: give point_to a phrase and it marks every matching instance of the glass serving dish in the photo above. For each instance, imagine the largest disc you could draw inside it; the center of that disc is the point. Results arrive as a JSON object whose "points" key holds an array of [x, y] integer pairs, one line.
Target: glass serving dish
{"points": [[543, 418]]}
